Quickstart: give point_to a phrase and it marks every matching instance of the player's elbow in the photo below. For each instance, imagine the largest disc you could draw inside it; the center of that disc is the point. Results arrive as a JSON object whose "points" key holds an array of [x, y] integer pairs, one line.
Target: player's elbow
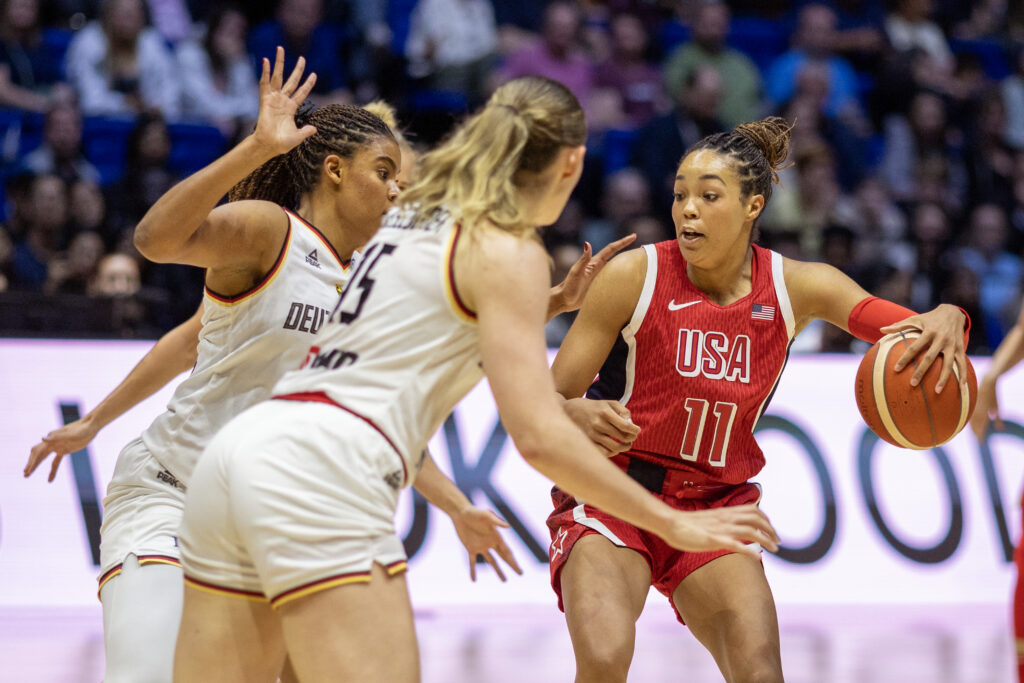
{"points": [[532, 445], [149, 243]]}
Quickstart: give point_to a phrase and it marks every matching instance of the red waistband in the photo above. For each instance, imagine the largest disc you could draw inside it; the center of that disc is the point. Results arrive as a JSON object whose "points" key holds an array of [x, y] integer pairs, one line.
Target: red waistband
{"points": [[322, 397]]}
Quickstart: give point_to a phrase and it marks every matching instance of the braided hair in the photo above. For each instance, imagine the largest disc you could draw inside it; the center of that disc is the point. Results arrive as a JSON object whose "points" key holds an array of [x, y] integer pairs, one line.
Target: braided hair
{"points": [[758, 148], [341, 129]]}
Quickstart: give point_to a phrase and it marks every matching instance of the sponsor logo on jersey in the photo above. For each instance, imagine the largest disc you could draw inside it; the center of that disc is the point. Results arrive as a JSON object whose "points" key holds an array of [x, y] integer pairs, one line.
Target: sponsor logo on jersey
{"points": [[673, 306], [312, 259], [331, 360], [169, 479], [394, 479], [305, 317], [713, 355]]}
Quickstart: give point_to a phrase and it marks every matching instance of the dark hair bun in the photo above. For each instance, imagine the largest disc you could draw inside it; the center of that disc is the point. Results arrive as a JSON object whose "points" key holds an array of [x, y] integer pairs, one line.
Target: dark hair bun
{"points": [[771, 135]]}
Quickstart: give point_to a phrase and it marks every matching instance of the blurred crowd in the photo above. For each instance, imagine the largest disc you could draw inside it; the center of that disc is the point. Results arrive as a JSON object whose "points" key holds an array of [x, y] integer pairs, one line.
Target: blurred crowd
{"points": [[907, 158]]}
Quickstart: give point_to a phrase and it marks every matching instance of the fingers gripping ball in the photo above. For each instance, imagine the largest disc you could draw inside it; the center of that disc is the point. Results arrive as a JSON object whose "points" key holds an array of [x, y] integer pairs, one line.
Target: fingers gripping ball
{"points": [[908, 416]]}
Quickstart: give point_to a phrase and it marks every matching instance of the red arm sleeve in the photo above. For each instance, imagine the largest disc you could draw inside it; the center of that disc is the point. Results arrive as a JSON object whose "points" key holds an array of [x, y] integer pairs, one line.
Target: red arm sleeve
{"points": [[872, 313]]}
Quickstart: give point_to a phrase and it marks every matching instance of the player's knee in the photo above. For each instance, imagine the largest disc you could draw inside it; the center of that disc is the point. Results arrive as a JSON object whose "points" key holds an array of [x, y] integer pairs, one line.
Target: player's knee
{"points": [[763, 667], [603, 660]]}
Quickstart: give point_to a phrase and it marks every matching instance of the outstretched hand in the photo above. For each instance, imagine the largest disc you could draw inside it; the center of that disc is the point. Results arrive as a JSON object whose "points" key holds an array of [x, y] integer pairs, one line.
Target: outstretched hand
{"points": [[942, 333], [573, 289], [741, 529], [72, 437], [279, 100], [478, 530]]}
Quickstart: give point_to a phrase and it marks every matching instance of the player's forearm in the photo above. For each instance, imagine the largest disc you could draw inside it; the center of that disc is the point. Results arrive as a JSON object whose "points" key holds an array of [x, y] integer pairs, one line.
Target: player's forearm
{"points": [[173, 354], [439, 490], [180, 212], [567, 457], [1009, 352], [556, 302]]}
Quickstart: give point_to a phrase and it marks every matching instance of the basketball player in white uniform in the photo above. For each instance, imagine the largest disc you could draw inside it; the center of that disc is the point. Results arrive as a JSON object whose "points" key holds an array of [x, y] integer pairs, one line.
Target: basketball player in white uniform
{"points": [[288, 539], [245, 342]]}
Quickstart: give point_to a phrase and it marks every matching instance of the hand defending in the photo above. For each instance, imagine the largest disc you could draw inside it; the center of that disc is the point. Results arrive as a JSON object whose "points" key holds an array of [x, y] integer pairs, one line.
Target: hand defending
{"points": [[728, 528], [478, 530], [573, 289], [606, 423], [72, 437], [275, 127]]}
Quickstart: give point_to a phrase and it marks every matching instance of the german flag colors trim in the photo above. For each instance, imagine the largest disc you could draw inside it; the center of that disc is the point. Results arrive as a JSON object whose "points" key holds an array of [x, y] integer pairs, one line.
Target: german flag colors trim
{"points": [[333, 582], [143, 560], [320, 236], [267, 279], [224, 590], [458, 305]]}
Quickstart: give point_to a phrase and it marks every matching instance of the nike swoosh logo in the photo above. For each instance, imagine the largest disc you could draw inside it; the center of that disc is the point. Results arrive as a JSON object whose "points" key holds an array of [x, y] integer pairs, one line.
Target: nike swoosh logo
{"points": [[673, 306]]}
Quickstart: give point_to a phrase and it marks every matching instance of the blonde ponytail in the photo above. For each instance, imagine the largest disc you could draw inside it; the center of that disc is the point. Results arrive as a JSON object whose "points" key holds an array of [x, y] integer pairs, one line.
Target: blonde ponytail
{"points": [[475, 173]]}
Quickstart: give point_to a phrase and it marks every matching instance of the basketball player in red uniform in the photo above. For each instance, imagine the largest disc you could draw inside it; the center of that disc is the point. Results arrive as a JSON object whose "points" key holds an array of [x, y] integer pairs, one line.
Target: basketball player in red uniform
{"points": [[690, 337], [1009, 353]]}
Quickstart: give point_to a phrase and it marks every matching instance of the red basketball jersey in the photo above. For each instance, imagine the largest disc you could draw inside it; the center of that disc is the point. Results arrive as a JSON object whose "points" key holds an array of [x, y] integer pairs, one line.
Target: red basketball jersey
{"points": [[696, 376]]}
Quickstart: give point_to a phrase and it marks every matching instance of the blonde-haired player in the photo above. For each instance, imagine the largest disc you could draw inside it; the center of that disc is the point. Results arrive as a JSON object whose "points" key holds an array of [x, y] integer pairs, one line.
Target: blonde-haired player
{"points": [[288, 539]]}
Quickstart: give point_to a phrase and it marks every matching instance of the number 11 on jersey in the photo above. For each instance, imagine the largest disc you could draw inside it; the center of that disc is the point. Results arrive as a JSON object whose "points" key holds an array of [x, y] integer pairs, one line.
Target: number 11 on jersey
{"points": [[696, 416]]}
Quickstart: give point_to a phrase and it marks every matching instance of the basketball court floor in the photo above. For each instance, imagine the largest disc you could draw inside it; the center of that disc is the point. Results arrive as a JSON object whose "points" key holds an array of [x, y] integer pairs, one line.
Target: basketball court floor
{"points": [[863, 644]]}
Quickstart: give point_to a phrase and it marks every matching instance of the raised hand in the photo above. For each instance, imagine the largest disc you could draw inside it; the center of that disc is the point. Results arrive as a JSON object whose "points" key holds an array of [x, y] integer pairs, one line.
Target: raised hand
{"points": [[942, 333], [729, 528], [279, 100], [569, 293], [478, 530], [606, 423], [72, 437]]}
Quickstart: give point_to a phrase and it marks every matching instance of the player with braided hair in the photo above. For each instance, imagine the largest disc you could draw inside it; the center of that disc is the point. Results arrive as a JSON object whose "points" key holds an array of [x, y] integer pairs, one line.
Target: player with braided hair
{"points": [[688, 339], [271, 278]]}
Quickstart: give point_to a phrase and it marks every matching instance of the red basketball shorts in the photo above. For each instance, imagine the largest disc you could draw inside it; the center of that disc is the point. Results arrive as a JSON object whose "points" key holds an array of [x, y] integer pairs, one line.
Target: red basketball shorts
{"points": [[570, 521]]}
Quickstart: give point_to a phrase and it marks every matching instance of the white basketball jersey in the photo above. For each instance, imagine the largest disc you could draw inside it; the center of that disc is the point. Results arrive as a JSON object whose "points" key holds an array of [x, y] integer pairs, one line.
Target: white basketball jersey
{"points": [[400, 350], [247, 342]]}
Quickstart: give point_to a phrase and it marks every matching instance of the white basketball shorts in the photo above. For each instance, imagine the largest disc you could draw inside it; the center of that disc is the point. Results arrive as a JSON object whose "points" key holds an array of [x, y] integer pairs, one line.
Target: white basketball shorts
{"points": [[291, 498], [141, 513]]}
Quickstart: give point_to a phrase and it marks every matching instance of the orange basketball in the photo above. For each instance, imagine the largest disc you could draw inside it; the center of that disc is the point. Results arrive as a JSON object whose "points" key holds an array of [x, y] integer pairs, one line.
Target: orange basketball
{"points": [[906, 416]]}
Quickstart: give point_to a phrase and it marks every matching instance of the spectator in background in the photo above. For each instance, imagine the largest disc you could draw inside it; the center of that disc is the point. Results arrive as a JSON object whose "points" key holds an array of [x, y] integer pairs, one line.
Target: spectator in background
{"points": [[987, 155], [1013, 100], [1017, 212], [816, 201], [860, 35], [69, 272], [171, 19], [87, 212], [119, 66], [46, 215], [299, 27], [922, 134], [557, 54], [740, 79], [452, 46], [6, 260], [147, 174], [909, 26], [661, 143], [61, 151], [218, 81], [116, 275], [847, 130], [813, 41], [30, 70], [626, 195], [931, 234], [648, 230], [878, 226], [999, 271], [629, 74]]}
